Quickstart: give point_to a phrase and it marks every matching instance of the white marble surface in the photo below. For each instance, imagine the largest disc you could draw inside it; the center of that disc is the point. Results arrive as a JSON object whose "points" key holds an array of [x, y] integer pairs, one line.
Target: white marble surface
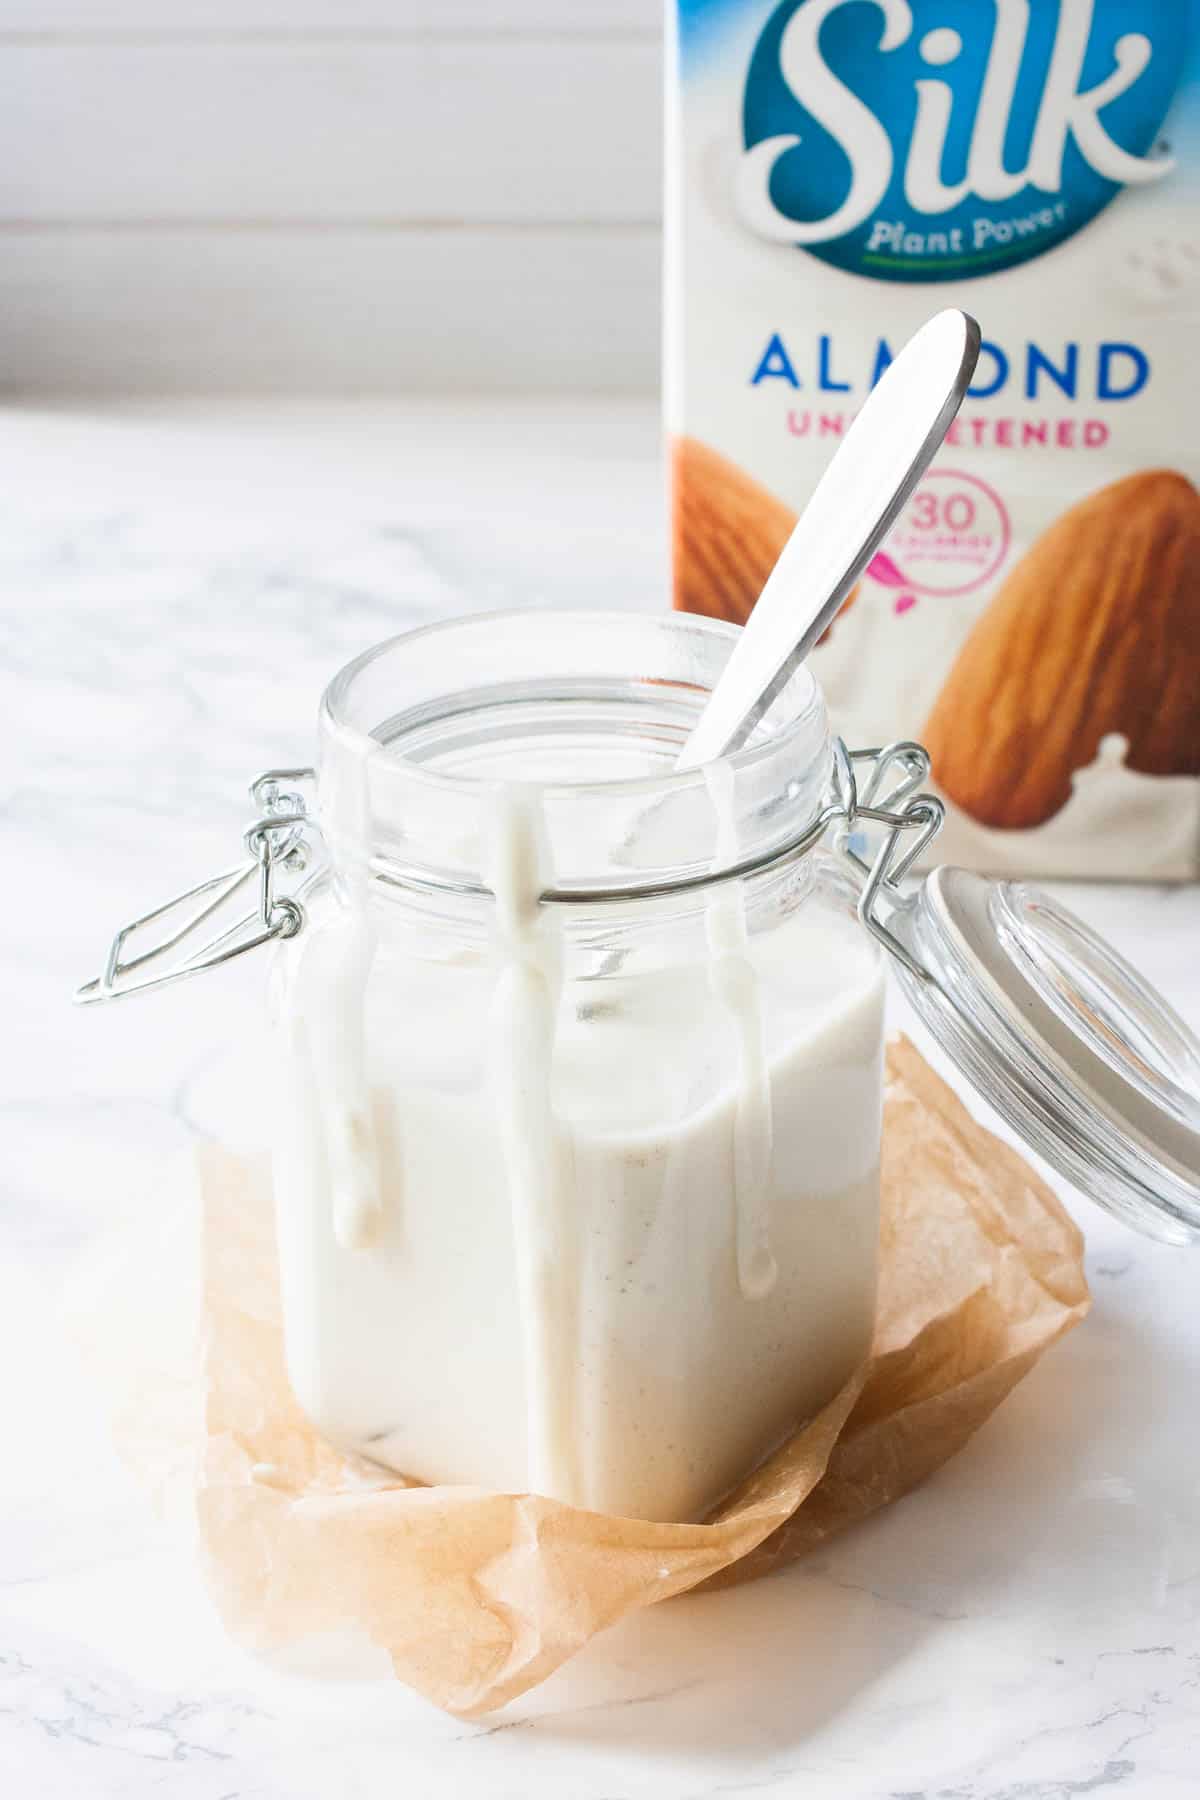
{"points": [[178, 584]]}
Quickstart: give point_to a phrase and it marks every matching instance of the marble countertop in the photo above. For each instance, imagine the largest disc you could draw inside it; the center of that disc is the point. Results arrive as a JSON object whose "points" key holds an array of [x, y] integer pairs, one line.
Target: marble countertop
{"points": [[179, 582]]}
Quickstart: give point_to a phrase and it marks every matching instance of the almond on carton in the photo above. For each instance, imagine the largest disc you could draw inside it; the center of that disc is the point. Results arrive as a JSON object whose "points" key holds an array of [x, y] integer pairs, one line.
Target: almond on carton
{"points": [[1096, 631], [728, 533]]}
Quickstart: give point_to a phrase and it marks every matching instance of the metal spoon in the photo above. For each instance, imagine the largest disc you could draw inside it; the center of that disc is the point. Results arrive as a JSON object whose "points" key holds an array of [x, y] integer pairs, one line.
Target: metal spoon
{"points": [[878, 464]]}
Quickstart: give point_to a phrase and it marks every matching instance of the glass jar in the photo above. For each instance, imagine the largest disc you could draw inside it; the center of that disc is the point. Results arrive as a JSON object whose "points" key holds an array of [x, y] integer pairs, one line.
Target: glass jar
{"points": [[577, 1142], [579, 1197]]}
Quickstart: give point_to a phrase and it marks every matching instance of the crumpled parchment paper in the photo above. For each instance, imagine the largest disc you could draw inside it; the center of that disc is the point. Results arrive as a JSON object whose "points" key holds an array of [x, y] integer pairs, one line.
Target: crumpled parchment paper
{"points": [[477, 1596]]}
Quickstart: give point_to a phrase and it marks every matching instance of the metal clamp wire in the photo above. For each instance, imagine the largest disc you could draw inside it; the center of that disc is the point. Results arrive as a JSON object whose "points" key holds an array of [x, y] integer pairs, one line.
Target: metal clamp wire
{"points": [[275, 842], [925, 814]]}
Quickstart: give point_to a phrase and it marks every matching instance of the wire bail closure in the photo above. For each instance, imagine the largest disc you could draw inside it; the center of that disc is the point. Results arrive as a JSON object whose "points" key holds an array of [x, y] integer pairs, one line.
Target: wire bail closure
{"points": [[278, 844], [921, 814]]}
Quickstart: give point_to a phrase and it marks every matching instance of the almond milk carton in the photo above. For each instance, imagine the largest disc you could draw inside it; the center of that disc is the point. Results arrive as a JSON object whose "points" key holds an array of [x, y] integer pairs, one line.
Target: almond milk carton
{"points": [[838, 170]]}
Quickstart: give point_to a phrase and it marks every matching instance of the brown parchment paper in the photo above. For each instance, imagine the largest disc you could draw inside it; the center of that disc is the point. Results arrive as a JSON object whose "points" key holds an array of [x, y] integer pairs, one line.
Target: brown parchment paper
{"points": [[477, 1596]]}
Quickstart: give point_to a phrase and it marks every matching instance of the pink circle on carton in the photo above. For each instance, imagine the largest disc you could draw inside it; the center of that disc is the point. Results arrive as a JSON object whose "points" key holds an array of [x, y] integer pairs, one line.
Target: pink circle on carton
{"points": [[952, 536]]}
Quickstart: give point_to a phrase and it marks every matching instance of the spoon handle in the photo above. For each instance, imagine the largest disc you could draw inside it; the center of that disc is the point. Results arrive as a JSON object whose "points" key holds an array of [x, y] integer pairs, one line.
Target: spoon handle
{"points": [[878, 464]]}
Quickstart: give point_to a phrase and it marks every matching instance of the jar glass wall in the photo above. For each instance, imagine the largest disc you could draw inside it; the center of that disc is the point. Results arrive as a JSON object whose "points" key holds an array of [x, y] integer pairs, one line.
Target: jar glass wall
{"points": [[576, 1196]]}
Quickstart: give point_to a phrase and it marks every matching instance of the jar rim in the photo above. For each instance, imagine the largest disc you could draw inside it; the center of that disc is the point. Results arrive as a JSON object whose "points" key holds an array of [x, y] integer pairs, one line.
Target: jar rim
{"points": [[505, 698], [803, 694]]}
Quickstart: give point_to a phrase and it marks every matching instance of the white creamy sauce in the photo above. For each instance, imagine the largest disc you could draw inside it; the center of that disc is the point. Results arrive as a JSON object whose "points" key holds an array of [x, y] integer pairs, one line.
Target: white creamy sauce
{"points": [[640, 1212], [336, 969], [328, 1006], [735, 983], [537, 1153]]}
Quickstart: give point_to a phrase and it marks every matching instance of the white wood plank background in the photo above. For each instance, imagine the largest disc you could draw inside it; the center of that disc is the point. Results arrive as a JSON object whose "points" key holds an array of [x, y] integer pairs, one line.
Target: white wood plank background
{"points": [[166, 18], [420, 131], [328, 194], [186, 310]]}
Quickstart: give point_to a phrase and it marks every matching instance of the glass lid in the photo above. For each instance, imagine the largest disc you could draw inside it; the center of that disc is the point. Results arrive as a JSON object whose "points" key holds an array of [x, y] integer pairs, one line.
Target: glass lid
{"points": [[1074, 1050]]}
